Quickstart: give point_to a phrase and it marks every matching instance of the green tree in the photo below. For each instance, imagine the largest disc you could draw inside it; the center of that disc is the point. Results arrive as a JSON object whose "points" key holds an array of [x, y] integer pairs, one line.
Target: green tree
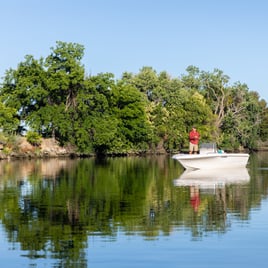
{"points": [[44, 93], [24, 89], [65, 79], [129, 108], [215, 89], [264, 120], [9, 121], [241, 124], [96, 125]]}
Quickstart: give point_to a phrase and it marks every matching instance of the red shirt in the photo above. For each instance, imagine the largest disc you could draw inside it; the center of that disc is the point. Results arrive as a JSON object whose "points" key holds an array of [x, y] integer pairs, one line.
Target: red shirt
{"points": [[194, 137]]}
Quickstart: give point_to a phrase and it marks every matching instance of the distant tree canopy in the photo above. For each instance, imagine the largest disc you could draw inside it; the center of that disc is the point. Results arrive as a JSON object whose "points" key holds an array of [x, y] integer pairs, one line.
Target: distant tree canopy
{"points": [[138, 113]]}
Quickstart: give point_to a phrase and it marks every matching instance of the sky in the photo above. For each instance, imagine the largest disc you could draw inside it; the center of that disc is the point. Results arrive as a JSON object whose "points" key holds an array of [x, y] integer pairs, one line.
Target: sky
{"points": [[125, 35]]}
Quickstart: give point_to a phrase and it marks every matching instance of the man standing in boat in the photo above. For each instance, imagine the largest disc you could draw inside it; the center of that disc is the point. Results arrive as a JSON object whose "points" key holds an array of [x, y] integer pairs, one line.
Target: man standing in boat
{"points": [[194, 137]]}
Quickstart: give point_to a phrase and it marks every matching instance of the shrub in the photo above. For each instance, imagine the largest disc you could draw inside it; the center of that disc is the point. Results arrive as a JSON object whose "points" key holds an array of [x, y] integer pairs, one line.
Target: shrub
{"points": [[33, 138]]}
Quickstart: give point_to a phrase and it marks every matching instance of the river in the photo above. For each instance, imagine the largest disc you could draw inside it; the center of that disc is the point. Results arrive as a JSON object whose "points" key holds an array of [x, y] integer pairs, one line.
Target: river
{"points": [[131, 212]]}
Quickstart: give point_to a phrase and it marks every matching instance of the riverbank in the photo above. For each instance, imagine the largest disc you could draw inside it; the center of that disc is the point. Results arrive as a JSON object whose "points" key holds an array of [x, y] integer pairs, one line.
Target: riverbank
{"points": [[48, 148]]}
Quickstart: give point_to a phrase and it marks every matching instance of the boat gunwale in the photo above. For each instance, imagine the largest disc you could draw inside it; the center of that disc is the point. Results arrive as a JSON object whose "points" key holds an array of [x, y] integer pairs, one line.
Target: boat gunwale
{"points": [[208, 155]]}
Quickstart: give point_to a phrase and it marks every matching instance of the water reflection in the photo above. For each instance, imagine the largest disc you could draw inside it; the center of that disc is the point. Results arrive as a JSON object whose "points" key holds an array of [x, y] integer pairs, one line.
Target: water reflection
{"points": [[210, 196], [51, 207], [213, 178]]}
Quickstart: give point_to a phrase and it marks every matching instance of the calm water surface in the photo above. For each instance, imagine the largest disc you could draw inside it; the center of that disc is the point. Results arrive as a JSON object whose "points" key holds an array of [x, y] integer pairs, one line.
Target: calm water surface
{"points": [[132, 212]]}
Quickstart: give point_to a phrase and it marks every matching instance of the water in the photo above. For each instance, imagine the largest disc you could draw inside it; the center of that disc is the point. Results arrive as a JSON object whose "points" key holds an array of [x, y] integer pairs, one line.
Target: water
{"points": [[130, 212]]}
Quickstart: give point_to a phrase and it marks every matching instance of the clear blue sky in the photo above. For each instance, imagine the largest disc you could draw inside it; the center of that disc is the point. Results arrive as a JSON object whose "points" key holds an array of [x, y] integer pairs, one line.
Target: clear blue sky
{"points": [[125, 35]]}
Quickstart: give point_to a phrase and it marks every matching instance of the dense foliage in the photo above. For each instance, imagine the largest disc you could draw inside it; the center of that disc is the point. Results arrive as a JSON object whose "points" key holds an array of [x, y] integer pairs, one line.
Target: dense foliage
{"points": [[144, 112]]}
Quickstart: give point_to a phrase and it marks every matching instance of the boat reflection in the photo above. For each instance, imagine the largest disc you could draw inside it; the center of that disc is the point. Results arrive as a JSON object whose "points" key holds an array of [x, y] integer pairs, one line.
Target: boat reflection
{"points": [[217, 178]]}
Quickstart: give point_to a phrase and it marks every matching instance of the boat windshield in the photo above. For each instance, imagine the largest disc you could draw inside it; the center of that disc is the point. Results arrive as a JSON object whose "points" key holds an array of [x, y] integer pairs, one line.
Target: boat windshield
{"points": [[208, 148]]}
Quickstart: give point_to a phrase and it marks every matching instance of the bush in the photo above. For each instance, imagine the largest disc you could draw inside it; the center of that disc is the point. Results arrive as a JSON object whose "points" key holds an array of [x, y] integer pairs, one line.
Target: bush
{"points": [[33, 138]]}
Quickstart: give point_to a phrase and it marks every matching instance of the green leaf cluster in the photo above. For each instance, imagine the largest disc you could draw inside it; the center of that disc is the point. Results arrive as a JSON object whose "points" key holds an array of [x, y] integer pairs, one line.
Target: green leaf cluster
{"points": [[33, 138]]}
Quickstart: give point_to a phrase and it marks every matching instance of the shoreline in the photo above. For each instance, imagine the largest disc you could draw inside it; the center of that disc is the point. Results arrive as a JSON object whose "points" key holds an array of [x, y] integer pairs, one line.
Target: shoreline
{"points": [[50, 148]]}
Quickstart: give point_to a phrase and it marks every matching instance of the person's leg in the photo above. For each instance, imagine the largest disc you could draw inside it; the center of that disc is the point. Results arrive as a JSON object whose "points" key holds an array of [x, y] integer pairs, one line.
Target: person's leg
{"points": [[195, 149], [191, 148]]}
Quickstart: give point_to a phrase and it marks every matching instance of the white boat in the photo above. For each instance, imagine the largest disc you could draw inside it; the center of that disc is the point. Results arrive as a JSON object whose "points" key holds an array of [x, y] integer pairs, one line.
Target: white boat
{"points": [[213, 178], [212, 161], [210, 158]]}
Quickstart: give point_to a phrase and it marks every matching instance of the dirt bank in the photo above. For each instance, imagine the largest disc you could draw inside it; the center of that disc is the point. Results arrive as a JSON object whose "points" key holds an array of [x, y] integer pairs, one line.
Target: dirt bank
{"points": [[48, 148]]}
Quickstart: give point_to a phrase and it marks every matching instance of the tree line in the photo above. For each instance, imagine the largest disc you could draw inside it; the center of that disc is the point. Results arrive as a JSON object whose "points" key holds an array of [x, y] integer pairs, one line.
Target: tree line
{"points": [[138, 113]]}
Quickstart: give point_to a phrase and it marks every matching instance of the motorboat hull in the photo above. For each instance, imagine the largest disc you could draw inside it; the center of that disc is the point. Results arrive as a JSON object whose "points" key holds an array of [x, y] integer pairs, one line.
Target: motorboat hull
{"points": [[212, 160]]}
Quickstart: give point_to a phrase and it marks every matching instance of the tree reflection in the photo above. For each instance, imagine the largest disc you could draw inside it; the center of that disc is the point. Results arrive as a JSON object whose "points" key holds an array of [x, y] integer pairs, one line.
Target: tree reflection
{"points": [[51, 206]]}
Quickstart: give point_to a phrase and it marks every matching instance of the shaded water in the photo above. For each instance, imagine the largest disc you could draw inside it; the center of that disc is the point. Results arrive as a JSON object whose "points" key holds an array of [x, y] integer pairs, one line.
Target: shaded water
{"points": [[131, 212]]}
